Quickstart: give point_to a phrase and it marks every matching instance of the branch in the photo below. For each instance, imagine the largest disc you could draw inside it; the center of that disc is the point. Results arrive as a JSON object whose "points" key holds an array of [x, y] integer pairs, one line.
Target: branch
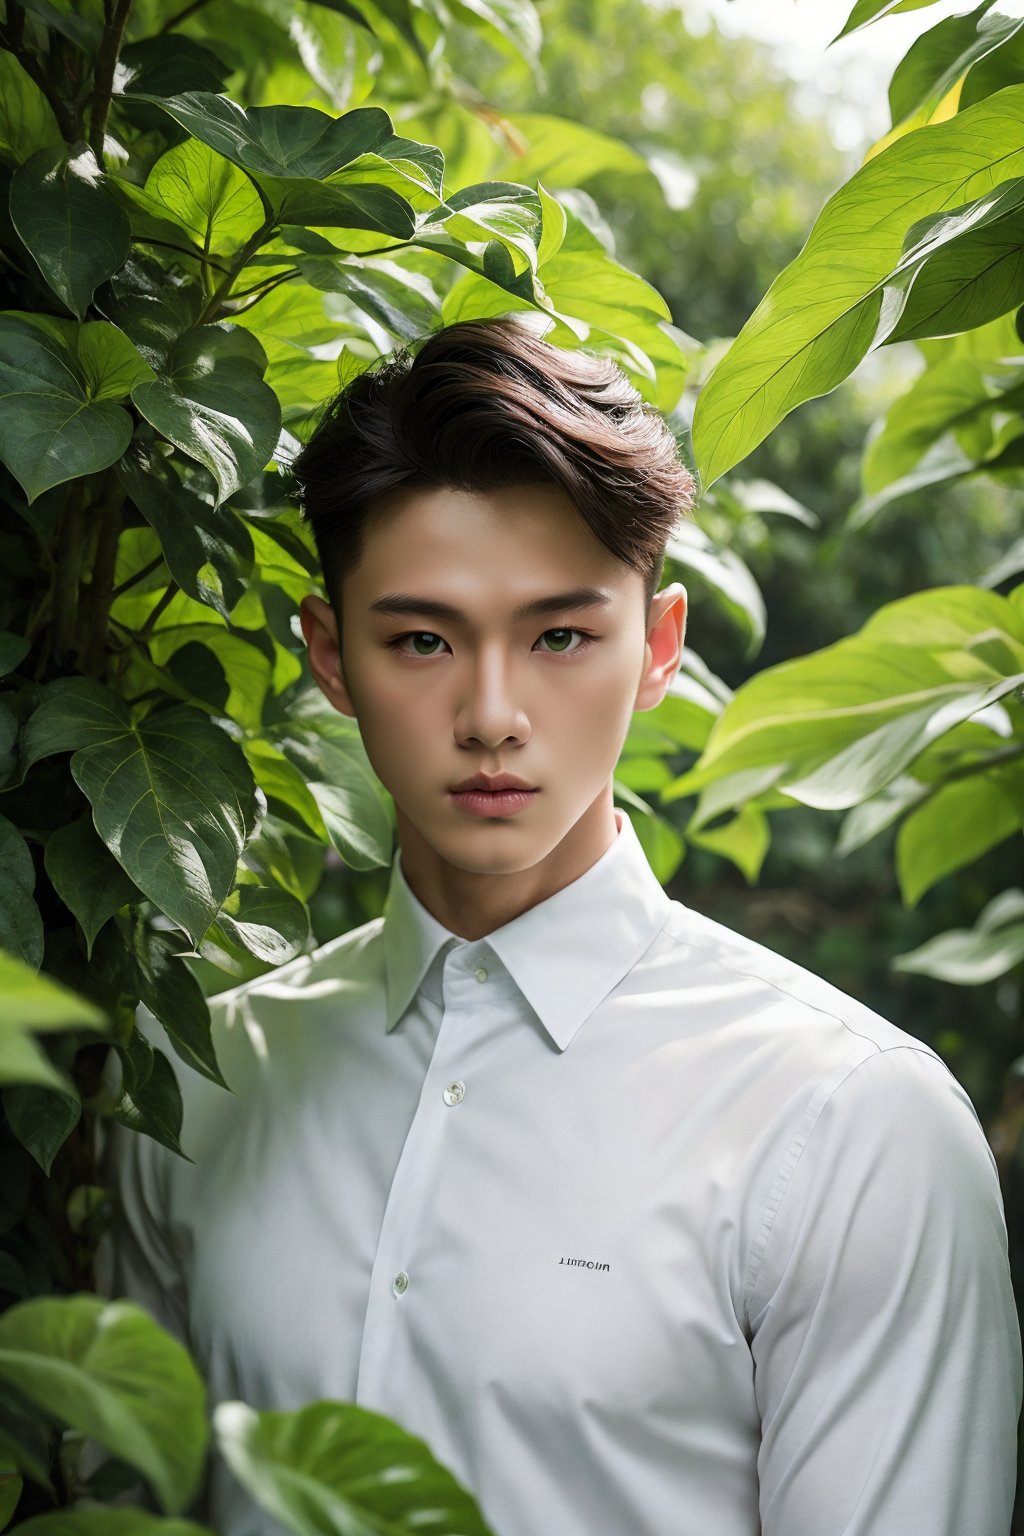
{"points": [[223, 288], [174, 21], [101, 590], [103, 76]]}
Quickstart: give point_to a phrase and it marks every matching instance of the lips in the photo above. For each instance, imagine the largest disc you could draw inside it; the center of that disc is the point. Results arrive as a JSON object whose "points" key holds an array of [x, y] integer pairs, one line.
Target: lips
{"points": [[492, 785]]}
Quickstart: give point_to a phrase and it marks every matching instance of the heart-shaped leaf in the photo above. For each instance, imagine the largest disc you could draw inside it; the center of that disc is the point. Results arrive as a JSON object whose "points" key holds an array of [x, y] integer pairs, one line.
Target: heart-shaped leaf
{"points": [[53, 424], [107, 1370], [213, 404], [172, 795], [335, 1468], [74, 228]]}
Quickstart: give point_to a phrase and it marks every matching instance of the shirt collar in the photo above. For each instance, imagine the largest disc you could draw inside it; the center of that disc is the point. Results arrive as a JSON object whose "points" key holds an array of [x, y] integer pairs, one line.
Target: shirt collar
{"points": [[565, 954]]}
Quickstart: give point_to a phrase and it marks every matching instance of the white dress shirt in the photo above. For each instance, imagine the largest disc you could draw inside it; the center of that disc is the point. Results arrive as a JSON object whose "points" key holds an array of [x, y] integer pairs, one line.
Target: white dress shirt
{"points": [[645, 1229]]}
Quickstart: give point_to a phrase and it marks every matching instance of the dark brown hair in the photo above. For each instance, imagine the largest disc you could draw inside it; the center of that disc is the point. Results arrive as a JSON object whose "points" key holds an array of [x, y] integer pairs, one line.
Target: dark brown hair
{"points": [[484, 404]]}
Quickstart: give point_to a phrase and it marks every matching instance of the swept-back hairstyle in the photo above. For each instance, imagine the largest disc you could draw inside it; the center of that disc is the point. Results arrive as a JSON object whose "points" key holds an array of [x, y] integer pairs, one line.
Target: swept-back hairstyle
{"points": [[484, 404]]}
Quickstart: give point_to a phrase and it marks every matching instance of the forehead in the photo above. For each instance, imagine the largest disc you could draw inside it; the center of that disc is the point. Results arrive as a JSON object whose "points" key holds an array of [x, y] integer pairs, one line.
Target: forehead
{"points": [[470, 547]]}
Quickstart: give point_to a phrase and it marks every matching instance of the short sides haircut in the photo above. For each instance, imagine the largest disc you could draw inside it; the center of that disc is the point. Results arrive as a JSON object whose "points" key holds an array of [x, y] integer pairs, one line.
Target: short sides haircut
{"points": [[485, 404]]}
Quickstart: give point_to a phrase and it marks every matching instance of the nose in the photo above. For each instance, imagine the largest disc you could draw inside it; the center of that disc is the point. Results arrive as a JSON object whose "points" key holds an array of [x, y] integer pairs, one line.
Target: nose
{"points": [[490, 710]]}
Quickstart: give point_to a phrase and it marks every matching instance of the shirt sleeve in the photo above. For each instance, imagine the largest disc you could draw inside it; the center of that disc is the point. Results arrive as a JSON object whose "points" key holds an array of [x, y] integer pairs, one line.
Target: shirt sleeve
{"points": [[887, 1352]]}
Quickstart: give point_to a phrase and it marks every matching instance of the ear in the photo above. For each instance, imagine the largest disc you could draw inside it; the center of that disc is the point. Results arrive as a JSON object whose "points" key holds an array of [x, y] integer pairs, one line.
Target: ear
{"points": [[666, 630], [320, 632]]}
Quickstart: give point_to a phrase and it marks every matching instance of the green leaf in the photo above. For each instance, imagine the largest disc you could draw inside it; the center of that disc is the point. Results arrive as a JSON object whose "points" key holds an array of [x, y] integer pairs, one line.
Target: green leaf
{"points": [[42, 1120], [728, 577], [169, 63], [938, 59], [516, 21], [821, 313], [327, 750], [21, 925], [104, 1521], [744, 841], [866, 11], [268, 922], [339, 204], [150, 1102], [107, 1370], [74, 229], [563, 153], [208, 550], [173, 995], [504, 210], [956, 824], [213, 404], [52, 426], [32, 1001], [213, 201], [959, 270], [279, 141], [333, 1467], [86, 876], [402, 302], [172, 795], [969, 957], [27, 122], [13, 650], [832, 728]]}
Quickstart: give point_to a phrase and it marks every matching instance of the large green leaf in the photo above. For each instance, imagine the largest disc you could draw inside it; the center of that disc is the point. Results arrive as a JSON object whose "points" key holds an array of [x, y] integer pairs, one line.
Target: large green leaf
{"points": [[821, 313], [938, 59], [959, 270], [280, 141], [107, 1370], [403, 302], [32, 1001], [832, 728], [209, 197], [75, 230], [54, 423], [172, 795], [213, 404], [332, 1469]]}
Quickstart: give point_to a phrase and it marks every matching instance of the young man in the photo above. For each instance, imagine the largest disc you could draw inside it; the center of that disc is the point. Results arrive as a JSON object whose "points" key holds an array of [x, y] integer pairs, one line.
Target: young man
{"points": [[646, 1230]]}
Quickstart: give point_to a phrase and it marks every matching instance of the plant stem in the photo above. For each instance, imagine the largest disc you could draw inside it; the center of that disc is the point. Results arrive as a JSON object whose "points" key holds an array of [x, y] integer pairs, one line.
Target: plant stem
{"points": [[103, 75], [101, 591], [223, 288], [189, 10], [147, 570], [68, 572], [167, 597]]}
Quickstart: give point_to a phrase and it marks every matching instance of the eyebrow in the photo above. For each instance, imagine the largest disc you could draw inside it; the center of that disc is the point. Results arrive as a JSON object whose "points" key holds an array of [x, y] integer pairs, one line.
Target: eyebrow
{"points": [[558, 602]]}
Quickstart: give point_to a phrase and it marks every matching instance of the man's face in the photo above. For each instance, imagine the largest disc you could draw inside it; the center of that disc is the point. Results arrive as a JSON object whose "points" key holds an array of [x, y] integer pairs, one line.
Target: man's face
{"points": [[546, 697]]}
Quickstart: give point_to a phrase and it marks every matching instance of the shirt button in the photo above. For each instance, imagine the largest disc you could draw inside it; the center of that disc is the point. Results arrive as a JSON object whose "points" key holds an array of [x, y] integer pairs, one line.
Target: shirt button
{"points": [[480, 973], [455, 1093], [400, 1282]]}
